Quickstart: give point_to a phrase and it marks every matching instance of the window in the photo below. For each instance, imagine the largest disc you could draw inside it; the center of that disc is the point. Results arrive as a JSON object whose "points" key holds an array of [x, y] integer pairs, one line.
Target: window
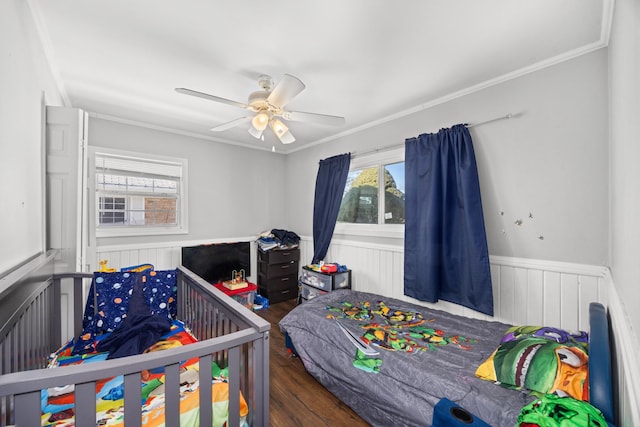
{"points": [[369, 208], [112, 210], [138, 195]]}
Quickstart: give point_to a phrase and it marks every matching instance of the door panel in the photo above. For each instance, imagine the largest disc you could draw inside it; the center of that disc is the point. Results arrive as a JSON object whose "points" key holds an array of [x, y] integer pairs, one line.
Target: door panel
{"points": [[66, 218]]}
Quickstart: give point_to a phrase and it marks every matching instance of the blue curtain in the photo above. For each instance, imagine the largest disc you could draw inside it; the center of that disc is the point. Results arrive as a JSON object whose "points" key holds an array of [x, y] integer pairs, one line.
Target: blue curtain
{"points": [[445, 252], [330, 182]]}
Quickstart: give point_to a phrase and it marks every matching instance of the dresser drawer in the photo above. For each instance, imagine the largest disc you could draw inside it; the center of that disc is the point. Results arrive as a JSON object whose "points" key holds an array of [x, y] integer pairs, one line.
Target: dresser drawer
{"points": [[279, 288], [282, 282], [309, 292], [278, 270], [279, 256], [326, 281], [280, 295]]}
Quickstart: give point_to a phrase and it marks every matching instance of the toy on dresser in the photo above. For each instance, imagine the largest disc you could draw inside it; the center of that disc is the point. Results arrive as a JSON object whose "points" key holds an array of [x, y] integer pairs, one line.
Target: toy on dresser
{"points": [[237, 281]]}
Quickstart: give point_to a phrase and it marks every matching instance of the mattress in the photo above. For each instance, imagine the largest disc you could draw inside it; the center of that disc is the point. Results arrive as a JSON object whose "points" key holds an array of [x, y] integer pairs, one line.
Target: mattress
{"points": [[425, 355]]}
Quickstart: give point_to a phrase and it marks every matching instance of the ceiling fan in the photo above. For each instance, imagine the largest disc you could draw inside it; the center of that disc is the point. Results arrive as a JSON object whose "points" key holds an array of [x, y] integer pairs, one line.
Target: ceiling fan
{"points": [[268, 105]]}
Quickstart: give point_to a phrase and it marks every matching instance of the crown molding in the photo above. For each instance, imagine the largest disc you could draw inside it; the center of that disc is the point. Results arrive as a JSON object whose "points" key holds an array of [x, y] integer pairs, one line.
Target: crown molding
{"points": [[605, 31], [558, 59], [47, 47], [174, 131]]}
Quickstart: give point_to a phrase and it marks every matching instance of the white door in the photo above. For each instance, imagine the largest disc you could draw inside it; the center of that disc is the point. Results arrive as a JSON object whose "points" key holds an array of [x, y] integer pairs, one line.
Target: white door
{"points": [[66, 200]]}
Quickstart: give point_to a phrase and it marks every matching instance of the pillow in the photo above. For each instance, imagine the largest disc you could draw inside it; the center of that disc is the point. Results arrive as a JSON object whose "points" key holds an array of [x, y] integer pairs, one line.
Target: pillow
{"points": [[108, 298], [160, 287], [554, 411], [111, 299], [541, 359], [111, 296]]}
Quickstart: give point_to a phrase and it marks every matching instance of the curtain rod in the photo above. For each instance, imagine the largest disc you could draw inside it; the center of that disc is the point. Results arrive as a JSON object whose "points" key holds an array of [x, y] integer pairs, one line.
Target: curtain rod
{"points": [[390, 147]]}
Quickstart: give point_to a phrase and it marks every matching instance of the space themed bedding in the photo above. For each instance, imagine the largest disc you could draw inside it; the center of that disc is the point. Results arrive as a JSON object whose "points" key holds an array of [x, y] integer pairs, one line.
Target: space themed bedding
{"points": [[126, 314]]}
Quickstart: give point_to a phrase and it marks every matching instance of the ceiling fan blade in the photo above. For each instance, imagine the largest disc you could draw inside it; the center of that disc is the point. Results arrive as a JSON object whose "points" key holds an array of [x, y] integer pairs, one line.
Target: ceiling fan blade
{"points": [[286, 89], [321, 119], [232, 123], [212, 97]]}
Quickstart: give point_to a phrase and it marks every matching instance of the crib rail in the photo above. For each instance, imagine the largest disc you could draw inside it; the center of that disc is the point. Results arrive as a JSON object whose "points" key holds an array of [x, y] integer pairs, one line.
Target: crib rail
{"points": [[30, 329]]}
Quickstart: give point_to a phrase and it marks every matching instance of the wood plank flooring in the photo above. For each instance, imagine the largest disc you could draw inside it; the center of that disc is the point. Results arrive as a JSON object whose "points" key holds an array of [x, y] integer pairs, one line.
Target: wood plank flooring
{"points": [[296, 398]]}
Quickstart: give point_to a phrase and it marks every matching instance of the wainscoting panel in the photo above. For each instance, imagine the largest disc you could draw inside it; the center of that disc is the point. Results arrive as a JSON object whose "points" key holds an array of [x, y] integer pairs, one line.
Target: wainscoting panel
{"points": [[626, 362], [525, 292], [163, 256]]}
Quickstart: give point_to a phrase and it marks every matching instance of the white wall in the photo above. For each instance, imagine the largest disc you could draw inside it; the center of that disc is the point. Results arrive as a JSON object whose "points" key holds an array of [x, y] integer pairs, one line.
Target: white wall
{"points": [[25, 80], [233, 191], [552, 161], [624, 64]]}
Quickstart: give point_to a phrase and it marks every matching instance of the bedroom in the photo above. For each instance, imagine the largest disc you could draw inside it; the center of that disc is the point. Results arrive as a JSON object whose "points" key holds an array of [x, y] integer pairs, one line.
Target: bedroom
{"points": [[581, 108]]}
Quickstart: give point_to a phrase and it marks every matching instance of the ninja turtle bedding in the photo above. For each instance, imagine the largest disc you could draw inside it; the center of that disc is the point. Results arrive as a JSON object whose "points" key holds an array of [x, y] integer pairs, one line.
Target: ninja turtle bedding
{"points": [[423, 356]]}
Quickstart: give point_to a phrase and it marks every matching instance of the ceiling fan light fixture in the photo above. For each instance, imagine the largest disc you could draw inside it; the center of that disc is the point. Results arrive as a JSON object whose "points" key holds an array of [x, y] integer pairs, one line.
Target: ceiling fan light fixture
{"points": [[282, 131], [260, 121], [287, 138], [279, 128], [255, 133]]}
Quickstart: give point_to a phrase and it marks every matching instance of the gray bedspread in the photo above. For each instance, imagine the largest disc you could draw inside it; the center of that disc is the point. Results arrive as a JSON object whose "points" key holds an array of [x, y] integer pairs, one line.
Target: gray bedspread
{"points": [[408, 385]]}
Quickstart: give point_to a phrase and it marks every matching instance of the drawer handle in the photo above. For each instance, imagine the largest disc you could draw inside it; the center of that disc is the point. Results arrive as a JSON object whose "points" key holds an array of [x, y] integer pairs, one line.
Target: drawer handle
{"points": [[286, 292], [285, 266], [284, 279]]}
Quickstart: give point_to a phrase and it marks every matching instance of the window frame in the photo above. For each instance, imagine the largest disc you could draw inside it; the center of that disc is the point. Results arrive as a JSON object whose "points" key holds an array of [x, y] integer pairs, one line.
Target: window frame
{"points": [[379, 158], [181, 226]]}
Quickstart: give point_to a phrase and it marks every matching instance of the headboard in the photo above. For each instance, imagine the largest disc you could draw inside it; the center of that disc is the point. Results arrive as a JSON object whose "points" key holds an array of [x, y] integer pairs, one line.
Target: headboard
{"points": [[600, 378]]}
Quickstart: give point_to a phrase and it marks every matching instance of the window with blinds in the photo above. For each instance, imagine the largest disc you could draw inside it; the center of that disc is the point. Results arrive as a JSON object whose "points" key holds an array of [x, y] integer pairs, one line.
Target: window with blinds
{"points": [[135, 193]]}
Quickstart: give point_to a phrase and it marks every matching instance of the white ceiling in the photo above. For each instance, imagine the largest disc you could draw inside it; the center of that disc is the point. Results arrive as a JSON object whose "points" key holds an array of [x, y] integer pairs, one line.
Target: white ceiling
{"points": [[365, 60]]}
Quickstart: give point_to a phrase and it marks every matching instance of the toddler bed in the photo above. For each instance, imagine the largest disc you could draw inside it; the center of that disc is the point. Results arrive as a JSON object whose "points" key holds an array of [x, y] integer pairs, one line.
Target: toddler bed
{"points": [[428, 357], [146, 345]]}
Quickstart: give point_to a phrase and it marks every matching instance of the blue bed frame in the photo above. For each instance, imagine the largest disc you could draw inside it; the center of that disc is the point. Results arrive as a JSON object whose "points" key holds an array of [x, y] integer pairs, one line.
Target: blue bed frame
{"points": [[600, 365], [600, 372]]}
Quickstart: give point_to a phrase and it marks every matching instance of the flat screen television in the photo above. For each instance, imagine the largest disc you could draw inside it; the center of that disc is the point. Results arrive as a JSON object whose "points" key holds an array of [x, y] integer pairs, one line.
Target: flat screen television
{"points": [[216, 262]]}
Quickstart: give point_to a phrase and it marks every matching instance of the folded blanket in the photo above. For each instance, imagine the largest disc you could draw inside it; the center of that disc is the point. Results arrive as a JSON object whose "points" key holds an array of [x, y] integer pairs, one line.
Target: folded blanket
{"points": [[137, 333]]}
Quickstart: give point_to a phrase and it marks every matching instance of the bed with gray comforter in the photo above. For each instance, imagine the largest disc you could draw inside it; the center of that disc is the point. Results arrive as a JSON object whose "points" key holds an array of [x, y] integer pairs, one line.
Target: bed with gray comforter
{"points": [[424, 355]]}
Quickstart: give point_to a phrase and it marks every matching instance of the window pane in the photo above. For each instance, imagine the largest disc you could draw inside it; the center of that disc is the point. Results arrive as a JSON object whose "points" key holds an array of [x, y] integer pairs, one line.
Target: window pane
{"points": [[360, 199], [160, 211], [394, 193], [111, 210]]}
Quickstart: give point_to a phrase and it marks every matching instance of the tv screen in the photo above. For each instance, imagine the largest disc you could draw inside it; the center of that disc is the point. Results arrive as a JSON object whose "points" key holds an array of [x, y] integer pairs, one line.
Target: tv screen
{"points": [[216, 262]]}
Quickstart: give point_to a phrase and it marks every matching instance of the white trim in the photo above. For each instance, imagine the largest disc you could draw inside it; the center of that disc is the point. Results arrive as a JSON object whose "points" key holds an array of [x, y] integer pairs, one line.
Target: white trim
{"points": [[558, 59], [607, 21], [463, 92], [171, 244], [393, 231], [377, 159], [179, 132], [45, 41], [384, 156], [359, 244], [627, 349], [183, 216], [555, 266], [534, 264], [30, 264]]}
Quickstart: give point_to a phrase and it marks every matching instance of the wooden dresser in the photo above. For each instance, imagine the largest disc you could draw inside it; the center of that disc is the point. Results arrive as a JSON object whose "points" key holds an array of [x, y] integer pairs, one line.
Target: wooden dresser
{"points": [[278, 274]]}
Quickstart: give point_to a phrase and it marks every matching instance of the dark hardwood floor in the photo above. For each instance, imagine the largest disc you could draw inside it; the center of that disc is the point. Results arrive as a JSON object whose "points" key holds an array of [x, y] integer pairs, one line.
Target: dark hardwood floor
{"points": [[296, 398]]}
